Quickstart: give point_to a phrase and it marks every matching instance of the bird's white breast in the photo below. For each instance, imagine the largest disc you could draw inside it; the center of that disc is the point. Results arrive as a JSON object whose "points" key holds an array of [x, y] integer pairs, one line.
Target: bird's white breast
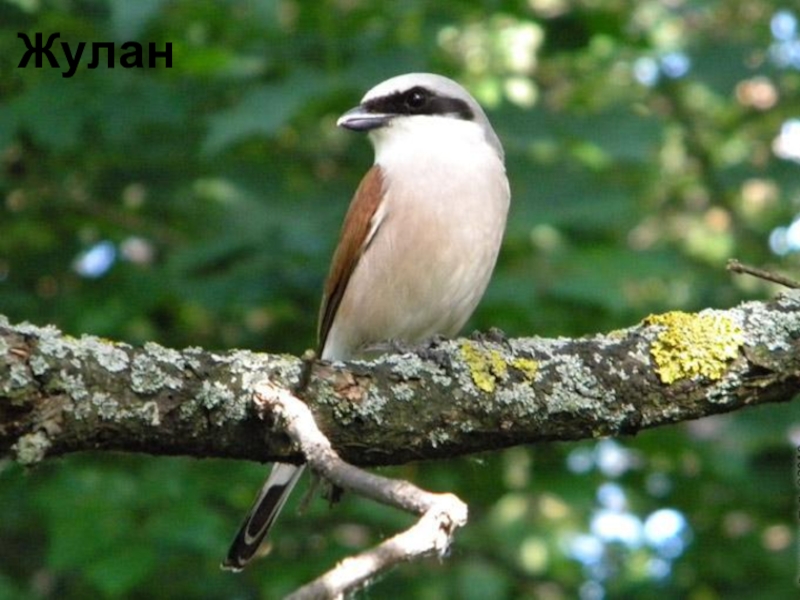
{"points": [[438, 232]]}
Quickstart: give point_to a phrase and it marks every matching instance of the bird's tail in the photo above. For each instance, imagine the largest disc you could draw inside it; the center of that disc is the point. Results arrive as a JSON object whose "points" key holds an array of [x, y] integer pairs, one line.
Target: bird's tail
{"points": [[262, 515]]}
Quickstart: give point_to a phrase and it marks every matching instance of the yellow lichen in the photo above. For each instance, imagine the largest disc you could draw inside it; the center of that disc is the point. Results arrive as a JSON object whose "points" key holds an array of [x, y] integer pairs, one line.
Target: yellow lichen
{"points": [[692, 346], [485, 367], [527, 366], [497, 364]]}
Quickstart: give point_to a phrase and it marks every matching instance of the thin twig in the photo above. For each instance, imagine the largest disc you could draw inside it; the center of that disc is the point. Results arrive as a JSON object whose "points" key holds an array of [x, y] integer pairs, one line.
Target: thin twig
{"points": [[734, 266], [431, 534], [441, 514]]}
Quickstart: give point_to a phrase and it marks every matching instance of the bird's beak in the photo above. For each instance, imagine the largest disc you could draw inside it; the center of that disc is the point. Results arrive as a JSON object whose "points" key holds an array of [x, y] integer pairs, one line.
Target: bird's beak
{"points": [[359, 119]]}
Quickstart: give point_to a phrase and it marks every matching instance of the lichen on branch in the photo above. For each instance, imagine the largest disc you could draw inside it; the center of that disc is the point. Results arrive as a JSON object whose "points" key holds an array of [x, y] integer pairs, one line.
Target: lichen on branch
{"points": [[61, 394]]}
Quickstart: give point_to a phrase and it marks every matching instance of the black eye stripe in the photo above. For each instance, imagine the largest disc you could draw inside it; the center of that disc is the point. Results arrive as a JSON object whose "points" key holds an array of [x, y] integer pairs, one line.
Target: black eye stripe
{"points": [[420, 101], [416, 99]]}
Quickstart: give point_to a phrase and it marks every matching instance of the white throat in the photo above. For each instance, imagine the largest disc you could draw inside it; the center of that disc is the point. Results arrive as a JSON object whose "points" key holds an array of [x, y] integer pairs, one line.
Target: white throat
{"points": [[423, 138]]}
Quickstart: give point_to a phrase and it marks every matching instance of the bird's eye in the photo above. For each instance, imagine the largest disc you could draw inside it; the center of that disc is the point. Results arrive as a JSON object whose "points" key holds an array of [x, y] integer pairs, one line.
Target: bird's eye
{"points": [[416, 99]]}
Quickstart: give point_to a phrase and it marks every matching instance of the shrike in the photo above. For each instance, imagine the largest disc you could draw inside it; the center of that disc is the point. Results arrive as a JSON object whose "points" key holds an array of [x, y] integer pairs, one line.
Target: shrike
{"points": [[418, 245]]}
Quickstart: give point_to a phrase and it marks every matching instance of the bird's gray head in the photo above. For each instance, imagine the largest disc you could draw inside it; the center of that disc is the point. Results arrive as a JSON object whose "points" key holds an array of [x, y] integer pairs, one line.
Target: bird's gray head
{"points": [[417, 95]]}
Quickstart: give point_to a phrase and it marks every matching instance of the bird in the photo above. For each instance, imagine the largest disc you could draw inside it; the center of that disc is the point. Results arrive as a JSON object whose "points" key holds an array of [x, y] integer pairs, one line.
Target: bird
{"points": [[418, 245]]}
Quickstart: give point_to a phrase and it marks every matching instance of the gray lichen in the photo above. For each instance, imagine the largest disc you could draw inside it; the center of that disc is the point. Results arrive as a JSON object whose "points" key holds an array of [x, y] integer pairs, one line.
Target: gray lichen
{"points": [[771, 329], [369, 409], [222, 399], [106, 407], [214, 394], [39, 365], [247, 366], [147, 376], [520, 400], [108, 355], [405, 366], [577, 388], [149, 414], [789, 299], [403, 392], [73, 385], [374, 406], [438, 437], [31, 448], [51, 342], [18, 377], [192, 357], [441, 380]]}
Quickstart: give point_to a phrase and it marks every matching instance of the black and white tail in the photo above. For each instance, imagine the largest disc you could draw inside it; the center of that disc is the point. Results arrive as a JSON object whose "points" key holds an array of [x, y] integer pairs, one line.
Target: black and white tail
{"points": [[262, 515]]}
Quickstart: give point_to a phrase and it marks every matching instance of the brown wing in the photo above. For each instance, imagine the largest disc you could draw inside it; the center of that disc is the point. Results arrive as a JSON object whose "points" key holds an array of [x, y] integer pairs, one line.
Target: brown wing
{"points": [[357, 226]]}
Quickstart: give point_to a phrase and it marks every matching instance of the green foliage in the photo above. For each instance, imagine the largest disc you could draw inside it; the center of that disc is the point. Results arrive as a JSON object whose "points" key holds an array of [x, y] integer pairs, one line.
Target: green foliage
{"points": [[220, 185]]}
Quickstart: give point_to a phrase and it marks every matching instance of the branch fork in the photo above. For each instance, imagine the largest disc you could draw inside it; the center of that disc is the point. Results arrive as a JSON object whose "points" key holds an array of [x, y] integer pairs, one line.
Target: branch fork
{"points": [[440, 514]]}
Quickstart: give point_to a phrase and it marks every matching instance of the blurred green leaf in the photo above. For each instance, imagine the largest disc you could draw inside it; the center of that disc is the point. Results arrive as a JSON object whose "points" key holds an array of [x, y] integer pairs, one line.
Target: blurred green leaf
{"points": [[128, 18], [117, 573], [262, 110]]}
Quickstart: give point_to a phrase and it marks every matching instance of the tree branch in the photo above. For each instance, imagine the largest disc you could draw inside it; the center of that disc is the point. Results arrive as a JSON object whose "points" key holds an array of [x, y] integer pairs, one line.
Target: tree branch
{"points": [[441, 514], [60, 394], [734, 266]]}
